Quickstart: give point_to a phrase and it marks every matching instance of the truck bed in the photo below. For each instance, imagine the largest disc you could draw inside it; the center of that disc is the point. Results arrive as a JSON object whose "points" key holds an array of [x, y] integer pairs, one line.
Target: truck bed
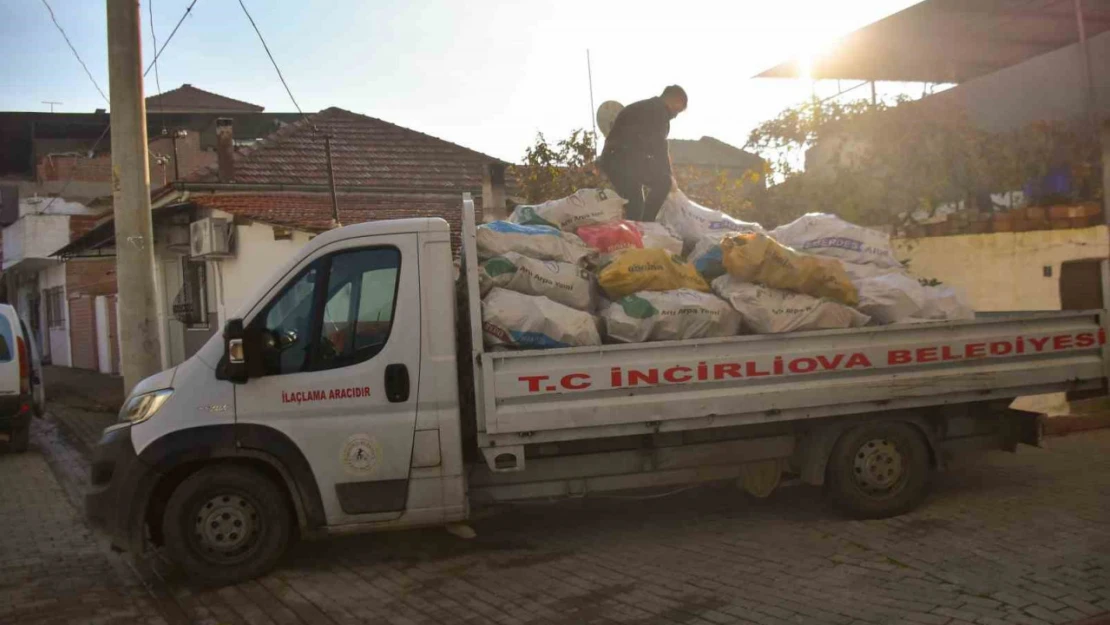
{"points": [[529, 397]]}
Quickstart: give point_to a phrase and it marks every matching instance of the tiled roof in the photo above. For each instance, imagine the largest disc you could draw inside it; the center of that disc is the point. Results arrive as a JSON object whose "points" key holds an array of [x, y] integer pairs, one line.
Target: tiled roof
{"points": [[710, 152], [312, 211], [188, 98], [366, 152]]}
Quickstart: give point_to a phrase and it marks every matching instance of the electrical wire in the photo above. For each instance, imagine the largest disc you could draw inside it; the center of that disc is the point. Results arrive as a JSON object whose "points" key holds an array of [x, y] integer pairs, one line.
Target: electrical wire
{"points": [[157, 78], [69, 43], [170, 38], [278, 69]]}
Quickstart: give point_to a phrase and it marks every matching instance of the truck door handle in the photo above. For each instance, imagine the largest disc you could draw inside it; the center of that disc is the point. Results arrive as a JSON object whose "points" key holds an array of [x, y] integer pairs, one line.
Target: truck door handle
{"points": [[397, 383]]}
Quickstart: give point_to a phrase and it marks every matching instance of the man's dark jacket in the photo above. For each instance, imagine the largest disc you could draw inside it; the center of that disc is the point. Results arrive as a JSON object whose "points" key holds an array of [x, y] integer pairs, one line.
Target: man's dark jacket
{"points": [[639, 135]]}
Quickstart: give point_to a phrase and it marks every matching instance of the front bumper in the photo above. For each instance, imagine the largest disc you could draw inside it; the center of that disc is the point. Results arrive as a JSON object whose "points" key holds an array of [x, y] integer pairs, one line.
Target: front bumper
{"points": [[120, 485]]}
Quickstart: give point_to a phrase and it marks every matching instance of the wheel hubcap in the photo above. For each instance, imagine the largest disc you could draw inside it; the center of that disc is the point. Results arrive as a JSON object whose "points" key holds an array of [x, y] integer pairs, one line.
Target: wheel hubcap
{"points": [[878, 466], [226, 525]]}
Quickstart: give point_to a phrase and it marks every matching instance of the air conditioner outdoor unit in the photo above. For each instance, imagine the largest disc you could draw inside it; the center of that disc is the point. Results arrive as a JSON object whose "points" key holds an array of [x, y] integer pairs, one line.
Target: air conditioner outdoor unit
{"points": [[210, 237]]}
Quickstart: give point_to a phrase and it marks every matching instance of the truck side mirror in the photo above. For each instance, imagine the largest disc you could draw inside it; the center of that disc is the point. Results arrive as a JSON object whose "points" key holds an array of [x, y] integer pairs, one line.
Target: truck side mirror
{"points": [[234, 364]]}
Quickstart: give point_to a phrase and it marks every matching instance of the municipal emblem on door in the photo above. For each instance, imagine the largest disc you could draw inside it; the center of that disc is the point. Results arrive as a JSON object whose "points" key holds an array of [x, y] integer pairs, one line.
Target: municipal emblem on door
{"points": [[360, 455]]}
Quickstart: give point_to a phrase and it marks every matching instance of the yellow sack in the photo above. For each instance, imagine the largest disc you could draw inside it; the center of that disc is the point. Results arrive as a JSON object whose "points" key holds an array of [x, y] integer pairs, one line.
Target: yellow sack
{"points": [[649, 269], [755, 257]]}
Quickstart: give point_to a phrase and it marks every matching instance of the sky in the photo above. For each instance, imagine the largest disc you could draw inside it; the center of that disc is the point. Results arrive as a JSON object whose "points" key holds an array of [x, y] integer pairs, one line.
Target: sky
{"points": [[485, 74]]}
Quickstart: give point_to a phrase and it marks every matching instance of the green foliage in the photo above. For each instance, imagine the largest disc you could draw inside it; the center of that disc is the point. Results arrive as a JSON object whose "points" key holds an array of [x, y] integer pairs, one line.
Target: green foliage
{"points": [[554, 171], [878, 164]]}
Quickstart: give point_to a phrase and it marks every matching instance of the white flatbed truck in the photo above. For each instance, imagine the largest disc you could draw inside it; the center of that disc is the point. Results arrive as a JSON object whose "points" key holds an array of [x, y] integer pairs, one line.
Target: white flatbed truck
{"points": [[353, 393]]}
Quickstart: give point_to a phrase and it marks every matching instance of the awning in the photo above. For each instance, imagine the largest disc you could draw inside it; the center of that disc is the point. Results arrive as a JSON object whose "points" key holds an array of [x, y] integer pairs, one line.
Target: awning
{"points": [[950, 41]]}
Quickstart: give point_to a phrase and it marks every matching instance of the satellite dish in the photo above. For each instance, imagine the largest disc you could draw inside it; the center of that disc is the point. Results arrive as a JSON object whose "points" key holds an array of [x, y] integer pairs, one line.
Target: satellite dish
{"points": [[607, 114]]}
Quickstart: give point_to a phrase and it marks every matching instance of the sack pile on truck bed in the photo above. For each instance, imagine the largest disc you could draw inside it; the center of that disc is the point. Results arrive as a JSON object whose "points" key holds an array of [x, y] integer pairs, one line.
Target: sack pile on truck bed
{"points": [[573, 272]]}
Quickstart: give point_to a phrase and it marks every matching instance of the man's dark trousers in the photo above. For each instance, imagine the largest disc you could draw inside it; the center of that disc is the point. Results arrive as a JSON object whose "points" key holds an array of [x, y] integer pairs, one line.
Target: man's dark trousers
{"points": [[629, 177]]}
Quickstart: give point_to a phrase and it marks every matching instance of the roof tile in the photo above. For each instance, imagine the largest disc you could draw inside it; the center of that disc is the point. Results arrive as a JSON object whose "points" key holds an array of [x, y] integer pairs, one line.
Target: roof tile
{"points": [[188, 98], [366, 152]]}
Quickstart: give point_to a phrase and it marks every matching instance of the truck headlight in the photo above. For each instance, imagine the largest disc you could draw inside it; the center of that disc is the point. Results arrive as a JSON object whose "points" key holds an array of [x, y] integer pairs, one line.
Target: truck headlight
{"points": [[142, 407]]}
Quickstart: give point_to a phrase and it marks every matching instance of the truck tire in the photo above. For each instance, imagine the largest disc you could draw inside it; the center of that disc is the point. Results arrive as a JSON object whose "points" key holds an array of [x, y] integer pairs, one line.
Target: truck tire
{"points": [[878, 470], [226, 524]]}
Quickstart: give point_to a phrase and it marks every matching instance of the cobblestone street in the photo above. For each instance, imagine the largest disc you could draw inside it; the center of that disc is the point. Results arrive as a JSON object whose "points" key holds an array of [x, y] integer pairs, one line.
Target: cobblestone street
{"points": [[1004, 539]]}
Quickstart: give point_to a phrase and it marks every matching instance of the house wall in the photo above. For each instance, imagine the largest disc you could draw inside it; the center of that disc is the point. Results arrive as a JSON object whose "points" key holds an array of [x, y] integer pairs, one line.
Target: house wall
{"points": [[34, 236], [1004, 271], [191, 157], [258, 256], [103, 338]]}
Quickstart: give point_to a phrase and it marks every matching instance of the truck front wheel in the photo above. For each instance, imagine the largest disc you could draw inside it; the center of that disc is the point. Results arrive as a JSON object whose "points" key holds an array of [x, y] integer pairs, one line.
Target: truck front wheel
{"points": [[226, 524], [878, 470]]}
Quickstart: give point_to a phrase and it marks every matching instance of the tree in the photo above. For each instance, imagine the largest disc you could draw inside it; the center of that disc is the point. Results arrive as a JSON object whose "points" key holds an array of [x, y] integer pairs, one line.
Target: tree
{"points": [[550, 171], [886, 164], [554, 171]]}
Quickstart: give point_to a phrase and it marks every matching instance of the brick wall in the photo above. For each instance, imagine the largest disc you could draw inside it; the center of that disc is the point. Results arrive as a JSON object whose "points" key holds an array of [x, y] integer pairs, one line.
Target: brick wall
{"points": [[191, 157], [79, 168], [82, 332], [91, 276], [1085, 215]]}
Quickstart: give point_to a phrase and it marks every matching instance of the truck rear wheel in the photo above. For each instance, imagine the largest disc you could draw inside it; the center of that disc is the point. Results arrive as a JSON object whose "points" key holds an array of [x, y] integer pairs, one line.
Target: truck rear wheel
{"points": [[226, 524], [878, 470]]}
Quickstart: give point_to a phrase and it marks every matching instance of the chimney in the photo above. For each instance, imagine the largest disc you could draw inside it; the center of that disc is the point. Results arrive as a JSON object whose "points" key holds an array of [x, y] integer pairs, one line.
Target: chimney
{"points": [[493, 192], [225, 149]]}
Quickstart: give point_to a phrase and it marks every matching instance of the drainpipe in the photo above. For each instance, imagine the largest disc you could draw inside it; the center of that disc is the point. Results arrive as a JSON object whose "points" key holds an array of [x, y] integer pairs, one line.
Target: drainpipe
{"points": [[1085, 53]]}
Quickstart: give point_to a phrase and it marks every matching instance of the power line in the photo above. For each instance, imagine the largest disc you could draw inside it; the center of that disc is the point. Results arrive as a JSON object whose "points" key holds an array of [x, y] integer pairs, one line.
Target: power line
{"points": [[168, 39], [74, 50], [157, 79], [267, 48]]}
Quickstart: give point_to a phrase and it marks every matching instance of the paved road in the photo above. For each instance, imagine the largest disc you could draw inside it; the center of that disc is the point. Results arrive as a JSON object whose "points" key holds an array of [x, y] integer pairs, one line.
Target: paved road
{"points": [[1008, 539]]}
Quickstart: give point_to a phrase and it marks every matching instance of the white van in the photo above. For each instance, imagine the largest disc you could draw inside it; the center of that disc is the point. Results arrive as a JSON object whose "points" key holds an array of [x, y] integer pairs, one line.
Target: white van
{"points": [[337, 401], [21, 388]]}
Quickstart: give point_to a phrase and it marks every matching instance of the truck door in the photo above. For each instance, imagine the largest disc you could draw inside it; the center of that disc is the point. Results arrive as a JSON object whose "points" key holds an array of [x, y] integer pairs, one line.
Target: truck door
{"points": [[338, 373]]}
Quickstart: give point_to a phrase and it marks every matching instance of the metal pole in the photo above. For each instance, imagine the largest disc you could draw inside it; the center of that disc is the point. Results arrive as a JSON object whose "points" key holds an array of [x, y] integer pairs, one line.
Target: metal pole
{"points": [[331, 182], [1085, 52], [874, 97], [176, 164], [141, 351], [593, 111]]}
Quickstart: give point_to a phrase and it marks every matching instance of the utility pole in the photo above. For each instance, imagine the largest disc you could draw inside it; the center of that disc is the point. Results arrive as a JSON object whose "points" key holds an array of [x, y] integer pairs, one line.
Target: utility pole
{"points": [[141, 351]]}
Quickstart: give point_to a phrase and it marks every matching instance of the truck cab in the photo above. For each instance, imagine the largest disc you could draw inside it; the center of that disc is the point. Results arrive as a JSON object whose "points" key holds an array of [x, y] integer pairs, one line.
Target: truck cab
{"points": [[338, 408]]}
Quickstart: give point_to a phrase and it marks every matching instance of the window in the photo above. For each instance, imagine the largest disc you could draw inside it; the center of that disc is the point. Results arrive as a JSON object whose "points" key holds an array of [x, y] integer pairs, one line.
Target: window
{"points": [[287, 326], [358, 316], [322, 323], [191, 304], [7, 340], [55, 308]]}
